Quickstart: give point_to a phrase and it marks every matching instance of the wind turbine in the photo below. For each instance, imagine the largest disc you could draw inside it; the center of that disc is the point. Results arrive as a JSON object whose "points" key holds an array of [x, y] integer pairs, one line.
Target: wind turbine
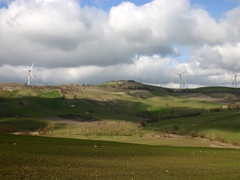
{"points": [[232, 82], [235, 78], [180, 75], [30, 73], [184, 84]]}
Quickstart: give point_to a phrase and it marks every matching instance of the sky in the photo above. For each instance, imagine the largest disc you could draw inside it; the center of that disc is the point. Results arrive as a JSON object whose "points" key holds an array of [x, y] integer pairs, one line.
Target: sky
{"points": [[95, 41]]}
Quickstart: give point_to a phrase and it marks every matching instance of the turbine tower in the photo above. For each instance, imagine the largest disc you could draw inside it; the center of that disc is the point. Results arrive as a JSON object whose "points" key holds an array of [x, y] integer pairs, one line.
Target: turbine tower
{"points": [[232, 82], [30, 74], [235, 78], [184, 84], [180, 75]]}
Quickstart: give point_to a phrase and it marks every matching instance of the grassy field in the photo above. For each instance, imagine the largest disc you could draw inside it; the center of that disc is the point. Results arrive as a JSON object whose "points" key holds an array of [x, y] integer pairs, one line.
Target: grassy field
{"points": [[21, 124], [96, 134], [103, 103], [225, 124], [28, 108], [26, 157]]}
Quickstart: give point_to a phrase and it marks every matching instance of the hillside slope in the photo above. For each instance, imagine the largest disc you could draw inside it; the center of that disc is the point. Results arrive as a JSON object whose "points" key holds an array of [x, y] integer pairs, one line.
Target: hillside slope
{"points": [[121, 100], [207, 110]]}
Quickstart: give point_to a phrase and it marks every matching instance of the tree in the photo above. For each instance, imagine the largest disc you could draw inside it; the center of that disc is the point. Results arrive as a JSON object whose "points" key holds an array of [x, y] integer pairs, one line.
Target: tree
{"points": [[6, 129], [75, 96], [45, 130], [193, 133], [51, 126], [69, 127]]}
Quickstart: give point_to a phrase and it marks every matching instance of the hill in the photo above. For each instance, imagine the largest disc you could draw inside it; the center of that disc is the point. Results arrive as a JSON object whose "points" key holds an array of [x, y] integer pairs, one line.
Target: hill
{"points": [[158, 109]]}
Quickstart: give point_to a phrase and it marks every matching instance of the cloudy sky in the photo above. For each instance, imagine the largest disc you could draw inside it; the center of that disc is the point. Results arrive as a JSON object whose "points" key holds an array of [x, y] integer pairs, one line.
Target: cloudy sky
{"points": [[94, 41]]}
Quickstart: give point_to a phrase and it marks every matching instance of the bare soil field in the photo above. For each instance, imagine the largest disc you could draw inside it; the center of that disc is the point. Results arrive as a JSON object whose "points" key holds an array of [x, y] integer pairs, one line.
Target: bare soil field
{"points": [[223, 98]]}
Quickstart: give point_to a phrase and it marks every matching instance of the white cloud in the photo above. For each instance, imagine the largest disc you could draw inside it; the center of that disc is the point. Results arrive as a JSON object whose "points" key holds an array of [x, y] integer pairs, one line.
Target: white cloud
{"points": [[224, 56], [75, 44]]}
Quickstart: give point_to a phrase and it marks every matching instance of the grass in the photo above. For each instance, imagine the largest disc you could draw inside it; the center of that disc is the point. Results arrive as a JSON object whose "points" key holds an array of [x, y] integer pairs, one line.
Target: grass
{"points": [[27, 108], [21, 124], [148, 140], [225, 123], [103, 103], [25, 157], [110, 156]]}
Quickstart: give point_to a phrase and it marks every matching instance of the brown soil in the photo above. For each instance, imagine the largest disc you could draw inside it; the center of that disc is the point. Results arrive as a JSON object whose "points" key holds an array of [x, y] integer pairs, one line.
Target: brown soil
{"points": [[204, 97]]}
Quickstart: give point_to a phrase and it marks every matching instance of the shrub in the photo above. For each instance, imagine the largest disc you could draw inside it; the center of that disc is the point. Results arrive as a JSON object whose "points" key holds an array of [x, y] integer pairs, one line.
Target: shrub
{"points": [[218, 137], [172, 131], [234, 106], [45, 130], [39, 130], [140, 123], [175, 127], [212, 110], [201, 135], [234, 142], [193, 133], [6, 129], [223, 140], [75, 97], [180, 132], [237, 105], [166, 131], [51, 126], [209, 137], [230, 107], [21, 103]]}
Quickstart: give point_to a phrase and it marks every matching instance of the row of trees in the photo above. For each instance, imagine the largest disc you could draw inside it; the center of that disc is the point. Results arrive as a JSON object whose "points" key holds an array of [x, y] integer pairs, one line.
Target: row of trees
{"points": [[234, 106], [6, 129], [96, 128], [154, 117], [47, 129], [105, 128]]}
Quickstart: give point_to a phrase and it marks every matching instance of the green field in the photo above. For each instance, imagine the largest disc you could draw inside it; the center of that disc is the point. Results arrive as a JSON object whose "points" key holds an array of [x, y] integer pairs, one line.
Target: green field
{"points": [[119, 130], [104, 103], [27, 157], [28, 108]]}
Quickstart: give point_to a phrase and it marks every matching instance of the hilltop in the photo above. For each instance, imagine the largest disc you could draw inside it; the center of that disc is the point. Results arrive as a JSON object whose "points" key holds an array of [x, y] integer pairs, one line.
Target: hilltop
{"points": [[221, 94], [59, 100]]}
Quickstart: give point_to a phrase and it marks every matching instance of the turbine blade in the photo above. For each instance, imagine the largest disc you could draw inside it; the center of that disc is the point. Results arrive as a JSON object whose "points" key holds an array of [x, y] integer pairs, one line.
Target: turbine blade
{"points": [[32, 66], [31, 75], [184, 71]]}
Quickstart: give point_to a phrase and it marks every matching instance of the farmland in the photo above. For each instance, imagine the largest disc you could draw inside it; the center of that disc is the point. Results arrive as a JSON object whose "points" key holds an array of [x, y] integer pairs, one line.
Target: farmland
{"points": [[27, 157], [86, 111], [119, 129]]}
